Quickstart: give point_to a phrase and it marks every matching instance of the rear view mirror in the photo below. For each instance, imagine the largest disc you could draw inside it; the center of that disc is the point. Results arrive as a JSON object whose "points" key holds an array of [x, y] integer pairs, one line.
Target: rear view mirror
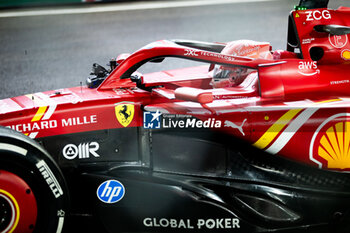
{"points": [[194, 94]]}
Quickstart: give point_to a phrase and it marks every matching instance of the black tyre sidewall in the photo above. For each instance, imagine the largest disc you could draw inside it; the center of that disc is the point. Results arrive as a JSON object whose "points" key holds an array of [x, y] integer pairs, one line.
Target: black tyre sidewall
{"points": [[52, 207]]}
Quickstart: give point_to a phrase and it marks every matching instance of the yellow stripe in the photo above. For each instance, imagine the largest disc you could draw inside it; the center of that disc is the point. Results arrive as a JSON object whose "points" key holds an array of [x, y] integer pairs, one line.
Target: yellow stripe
{"points": [[273, 131], [40, 113], [276, 128], [17, 209], [327, 101], [42, 107]]}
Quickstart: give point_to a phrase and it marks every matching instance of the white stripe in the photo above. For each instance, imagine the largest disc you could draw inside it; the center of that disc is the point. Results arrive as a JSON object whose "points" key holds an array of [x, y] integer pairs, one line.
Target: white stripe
{"points": [[49, 112], [125, 7], [60, 224], [52, 105], [33, 135], [289, 132], [10, 147], [260, 109], [287, 106]]}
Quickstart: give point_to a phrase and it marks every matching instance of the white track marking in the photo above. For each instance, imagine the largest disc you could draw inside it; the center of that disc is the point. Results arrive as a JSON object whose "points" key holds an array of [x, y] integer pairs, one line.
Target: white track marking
{"points": [[123, 7]]}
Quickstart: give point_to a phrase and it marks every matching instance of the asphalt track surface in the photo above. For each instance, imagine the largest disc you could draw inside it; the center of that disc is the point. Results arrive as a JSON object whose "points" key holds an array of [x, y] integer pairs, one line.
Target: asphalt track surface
{"points": [[49, 52]]}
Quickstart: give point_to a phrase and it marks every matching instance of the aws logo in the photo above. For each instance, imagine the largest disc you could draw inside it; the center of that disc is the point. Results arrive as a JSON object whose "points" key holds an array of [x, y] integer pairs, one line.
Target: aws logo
{"points": [[124, 111], [308, 68], [330, 144]]}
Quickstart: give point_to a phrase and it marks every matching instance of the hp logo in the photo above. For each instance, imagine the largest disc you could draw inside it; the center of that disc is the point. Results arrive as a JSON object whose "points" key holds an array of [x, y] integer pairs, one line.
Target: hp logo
{"points": [[110, 191]]}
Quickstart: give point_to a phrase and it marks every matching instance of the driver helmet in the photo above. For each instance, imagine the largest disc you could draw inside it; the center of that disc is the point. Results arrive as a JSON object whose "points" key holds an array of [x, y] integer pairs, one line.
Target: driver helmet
{"points": [[225, 76]]}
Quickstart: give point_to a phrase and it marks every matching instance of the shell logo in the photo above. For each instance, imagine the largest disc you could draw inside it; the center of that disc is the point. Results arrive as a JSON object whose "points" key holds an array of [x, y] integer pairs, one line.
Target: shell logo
{"points": [[334, 146], [330, 144], [345, 54]]}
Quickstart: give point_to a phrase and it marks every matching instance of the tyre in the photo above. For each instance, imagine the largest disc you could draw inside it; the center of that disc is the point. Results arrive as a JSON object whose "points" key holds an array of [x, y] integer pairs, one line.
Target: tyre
{"points": [[33, 192]]}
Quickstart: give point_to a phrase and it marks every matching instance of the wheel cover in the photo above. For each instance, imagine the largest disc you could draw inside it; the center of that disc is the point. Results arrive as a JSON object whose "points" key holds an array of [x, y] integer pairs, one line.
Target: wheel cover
{"points": [[18, 206]]}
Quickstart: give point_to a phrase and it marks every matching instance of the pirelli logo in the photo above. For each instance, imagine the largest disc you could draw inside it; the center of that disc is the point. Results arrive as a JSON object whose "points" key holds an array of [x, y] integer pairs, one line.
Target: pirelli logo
{"points": [[50, 178]]}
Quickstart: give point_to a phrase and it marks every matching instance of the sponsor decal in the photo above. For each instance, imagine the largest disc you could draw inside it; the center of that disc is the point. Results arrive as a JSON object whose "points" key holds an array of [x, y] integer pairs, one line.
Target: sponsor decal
{"points": [[175, 121], [82, 151], [245, 49], [234, 126], [50, 178], [345, 54], [217, 55], [339, 82], [308, 68], [157, 120], [317, 15], [338, 41], [124, 112], [60, 215], [308, 41], [190, 52], [123, 91], [151, 120], [36, 126], [85, 120], [331, 142], [111, 191], [200, 224]]}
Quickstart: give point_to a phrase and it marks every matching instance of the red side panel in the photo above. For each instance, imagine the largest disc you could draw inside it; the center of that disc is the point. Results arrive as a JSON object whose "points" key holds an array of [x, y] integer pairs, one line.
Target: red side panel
{"points": [[336, 47], [73, 110]]}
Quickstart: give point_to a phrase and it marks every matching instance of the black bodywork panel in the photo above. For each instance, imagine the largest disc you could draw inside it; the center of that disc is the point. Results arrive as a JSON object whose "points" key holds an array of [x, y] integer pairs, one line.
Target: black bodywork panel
{"points": [[196, 180], [313, 4]]}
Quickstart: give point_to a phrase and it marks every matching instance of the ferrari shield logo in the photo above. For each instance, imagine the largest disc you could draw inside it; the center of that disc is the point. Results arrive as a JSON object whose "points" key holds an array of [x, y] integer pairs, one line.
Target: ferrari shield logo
{"points": [[124, 112]]}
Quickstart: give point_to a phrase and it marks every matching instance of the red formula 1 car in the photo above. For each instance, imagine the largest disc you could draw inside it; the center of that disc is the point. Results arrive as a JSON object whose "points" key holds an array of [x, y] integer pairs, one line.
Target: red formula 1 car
{"points": [[251, 140]]}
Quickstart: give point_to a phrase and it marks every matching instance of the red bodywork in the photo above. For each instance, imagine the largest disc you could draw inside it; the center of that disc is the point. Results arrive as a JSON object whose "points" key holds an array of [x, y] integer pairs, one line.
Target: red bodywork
{"points": [[294, 106]]}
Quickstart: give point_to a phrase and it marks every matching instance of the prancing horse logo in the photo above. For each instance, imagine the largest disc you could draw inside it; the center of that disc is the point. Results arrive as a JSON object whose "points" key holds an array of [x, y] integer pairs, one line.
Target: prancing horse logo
{"points": [[124, 112]]}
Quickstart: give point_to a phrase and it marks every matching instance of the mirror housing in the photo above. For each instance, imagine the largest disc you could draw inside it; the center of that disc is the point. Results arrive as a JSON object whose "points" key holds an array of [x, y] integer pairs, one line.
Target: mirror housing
{"points": [[194, 94]]}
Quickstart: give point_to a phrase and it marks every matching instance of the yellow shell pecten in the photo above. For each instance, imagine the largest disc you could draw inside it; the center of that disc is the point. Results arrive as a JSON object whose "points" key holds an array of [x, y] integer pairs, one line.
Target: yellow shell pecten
{"points": [[334, 146]]}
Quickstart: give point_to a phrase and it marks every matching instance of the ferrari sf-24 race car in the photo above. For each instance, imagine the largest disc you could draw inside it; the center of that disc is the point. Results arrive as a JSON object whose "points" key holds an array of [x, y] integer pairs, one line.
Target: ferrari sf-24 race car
{"points": [[251, 140]]}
